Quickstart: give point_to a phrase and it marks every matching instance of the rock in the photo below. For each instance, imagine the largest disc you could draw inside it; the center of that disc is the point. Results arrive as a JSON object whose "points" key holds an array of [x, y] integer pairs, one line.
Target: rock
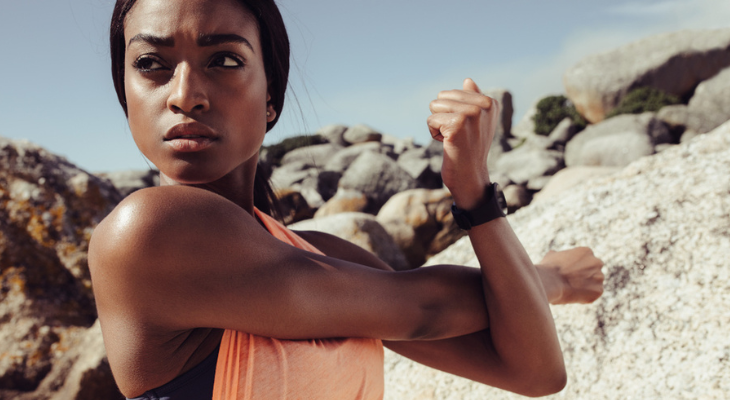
{"points": [[415, 218], [688, 135], [615, 150], [661, 227], [361, 133], [672, 62], [619, 141], [83, 373], [48, 210], [291, 174], [661, 147], [333, 134], [400, 145], [341, 161], [516, 196], [421, 170], [526, 163], [320, 188], [569, 178], [344, 200], [504, 128], [562, 133], [378, 177], [313, 156], [538, 183], [360, 229], [675, 117], [424, 164], [526, 127], [130, 181], [293, 206], [710, 104]]}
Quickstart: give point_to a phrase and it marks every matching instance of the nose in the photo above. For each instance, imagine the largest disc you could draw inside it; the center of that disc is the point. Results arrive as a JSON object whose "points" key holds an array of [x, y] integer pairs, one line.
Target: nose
{"points": [[187, 91]]}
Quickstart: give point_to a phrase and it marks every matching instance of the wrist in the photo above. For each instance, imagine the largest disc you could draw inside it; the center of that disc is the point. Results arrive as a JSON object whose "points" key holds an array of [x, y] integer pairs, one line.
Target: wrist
{"points": [[490, 206], [471, 195]]}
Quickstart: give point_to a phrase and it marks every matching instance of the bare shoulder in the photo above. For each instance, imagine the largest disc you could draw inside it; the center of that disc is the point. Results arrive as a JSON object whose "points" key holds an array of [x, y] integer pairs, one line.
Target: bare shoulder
{"points": [[336, 247]]}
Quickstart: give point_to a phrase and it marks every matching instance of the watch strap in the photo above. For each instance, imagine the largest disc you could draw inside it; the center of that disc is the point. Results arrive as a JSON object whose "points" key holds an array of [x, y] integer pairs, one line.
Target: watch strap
{"points": [[492, 207]]}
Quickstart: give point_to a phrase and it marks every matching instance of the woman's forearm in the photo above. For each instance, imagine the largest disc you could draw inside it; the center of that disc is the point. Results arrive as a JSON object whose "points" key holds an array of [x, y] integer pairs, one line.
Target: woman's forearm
{"points": [[521, 325]]}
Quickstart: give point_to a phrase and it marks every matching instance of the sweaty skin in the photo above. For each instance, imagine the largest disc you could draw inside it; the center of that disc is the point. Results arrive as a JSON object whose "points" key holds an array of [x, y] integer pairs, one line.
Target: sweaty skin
{"points": [[168, 263]]}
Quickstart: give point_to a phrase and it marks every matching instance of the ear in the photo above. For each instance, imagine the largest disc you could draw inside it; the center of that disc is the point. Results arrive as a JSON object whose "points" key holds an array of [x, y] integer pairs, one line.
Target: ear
{"points": [[270, 112]]}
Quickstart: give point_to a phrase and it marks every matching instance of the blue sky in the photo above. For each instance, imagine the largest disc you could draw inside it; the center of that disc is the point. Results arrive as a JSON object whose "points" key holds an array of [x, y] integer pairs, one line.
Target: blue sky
{"points": [[378, 62]]}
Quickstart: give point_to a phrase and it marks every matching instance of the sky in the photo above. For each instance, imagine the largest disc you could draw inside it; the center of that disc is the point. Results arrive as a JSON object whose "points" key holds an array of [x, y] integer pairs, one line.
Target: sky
{"points": [[378, 62]]}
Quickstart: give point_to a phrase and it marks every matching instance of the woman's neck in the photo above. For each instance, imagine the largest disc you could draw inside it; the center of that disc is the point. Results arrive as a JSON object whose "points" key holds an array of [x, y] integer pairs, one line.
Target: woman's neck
{"points": [[236, 186]]}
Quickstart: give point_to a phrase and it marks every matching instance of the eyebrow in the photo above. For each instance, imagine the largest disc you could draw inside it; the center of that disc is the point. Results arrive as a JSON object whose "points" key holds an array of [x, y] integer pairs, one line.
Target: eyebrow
{"points": [[204, 40]]}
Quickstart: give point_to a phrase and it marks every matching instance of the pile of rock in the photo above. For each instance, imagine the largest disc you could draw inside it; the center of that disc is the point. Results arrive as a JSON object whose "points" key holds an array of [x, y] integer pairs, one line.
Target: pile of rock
{"points": [[694, 65], [662, 226]]}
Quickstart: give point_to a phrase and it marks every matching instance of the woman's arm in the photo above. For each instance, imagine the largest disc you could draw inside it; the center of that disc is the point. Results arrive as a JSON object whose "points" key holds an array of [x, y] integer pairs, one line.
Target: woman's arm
{"points": [[522, 342], [569, 276], [176, 258]]}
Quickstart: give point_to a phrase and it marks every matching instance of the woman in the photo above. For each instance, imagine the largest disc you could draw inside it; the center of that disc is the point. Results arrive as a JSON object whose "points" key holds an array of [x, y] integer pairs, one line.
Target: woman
{"points": [[202, 81]]}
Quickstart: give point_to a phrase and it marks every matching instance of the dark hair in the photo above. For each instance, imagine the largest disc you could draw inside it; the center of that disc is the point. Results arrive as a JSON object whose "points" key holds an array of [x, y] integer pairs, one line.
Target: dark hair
{"points": [[275, 50]]}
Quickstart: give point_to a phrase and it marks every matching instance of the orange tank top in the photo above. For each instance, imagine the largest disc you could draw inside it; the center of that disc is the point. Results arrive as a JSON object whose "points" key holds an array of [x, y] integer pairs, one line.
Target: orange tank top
{"points": [[254, 367]]}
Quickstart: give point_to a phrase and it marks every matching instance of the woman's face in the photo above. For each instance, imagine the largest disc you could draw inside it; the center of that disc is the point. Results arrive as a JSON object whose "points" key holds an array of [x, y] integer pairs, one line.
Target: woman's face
{"points": [[196, 86]]}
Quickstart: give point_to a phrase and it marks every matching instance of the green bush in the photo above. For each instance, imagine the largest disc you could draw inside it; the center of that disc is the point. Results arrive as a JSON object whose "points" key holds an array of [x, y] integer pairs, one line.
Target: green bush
{"points": [[643, 99], [277, 151], [553, 109]]}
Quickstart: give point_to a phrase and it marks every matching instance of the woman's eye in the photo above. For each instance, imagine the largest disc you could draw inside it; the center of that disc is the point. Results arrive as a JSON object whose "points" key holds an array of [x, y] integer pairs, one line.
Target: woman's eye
{"points": [[226, 61], [147, 64]]}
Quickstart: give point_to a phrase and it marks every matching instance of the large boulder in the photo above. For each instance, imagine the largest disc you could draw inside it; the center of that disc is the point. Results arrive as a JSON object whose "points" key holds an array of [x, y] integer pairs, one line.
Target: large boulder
{"points": [[660, 329], [420, 222], [710, 104], [617, 141], [48, 210], [672, 62], [378, 177], [360, 229]]}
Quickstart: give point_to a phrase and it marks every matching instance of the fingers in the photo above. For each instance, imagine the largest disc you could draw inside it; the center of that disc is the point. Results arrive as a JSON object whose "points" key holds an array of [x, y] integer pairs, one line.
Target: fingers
{"points": [[466, 97], [471, 86]]}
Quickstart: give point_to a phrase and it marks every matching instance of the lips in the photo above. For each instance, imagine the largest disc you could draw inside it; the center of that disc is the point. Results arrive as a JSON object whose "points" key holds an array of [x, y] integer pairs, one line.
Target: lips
{"points": [[190, 137]]}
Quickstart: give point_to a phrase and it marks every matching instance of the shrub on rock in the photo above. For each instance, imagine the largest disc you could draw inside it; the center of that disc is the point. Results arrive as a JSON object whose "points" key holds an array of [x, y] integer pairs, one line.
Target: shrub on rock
{"points": [[642, 100], [551, 111]]}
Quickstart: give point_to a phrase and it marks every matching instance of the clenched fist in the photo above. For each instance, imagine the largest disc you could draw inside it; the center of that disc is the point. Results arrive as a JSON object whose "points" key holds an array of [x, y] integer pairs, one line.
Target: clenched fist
{"points": [[465, 121]]}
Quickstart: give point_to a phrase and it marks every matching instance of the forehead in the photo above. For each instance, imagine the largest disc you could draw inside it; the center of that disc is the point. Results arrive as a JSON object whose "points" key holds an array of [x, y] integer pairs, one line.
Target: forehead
{"points": [[169, 18]]}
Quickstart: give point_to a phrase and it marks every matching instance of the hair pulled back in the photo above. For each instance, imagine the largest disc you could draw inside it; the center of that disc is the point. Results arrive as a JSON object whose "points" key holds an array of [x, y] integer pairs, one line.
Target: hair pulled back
{"points": [[275, 50]]}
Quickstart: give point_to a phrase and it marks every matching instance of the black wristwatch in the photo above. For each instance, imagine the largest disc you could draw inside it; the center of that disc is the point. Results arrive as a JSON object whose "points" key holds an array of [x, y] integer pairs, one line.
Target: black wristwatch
{"points": [[493, 207]]}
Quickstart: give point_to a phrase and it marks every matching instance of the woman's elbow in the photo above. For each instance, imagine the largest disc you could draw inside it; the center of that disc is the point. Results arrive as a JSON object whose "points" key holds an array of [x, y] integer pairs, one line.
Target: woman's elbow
{"points": [[544, 383]]}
